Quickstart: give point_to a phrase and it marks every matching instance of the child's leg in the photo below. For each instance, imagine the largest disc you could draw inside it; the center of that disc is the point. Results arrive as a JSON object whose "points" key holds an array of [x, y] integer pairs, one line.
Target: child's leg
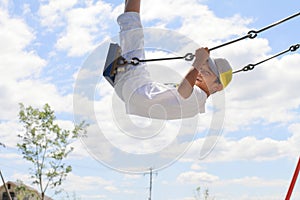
{"points": [[131, 31], [132, 45], [131, 35]]}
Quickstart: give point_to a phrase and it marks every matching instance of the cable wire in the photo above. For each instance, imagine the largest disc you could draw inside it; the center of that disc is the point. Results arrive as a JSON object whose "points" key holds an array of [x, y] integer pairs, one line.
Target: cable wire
{"points": [[189, 56], [252, 66]]}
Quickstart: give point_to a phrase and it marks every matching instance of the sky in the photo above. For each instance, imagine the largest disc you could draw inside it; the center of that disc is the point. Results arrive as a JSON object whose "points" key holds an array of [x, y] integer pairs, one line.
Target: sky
{"points": [[51, 51]]}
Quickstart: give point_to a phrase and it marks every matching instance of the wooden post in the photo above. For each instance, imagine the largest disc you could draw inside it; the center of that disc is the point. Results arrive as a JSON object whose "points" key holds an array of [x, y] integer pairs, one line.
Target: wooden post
{"points": [[5, 186]]}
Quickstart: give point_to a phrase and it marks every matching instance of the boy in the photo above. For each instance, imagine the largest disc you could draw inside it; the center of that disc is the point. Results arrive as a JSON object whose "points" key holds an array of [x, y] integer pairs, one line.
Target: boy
{"points": [[146, 98]]}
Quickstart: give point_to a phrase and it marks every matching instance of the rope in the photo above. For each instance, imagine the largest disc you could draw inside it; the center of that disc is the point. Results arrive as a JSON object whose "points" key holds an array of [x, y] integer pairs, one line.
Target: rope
{"points": [[189, 56], [252, 66], [252, 34]]}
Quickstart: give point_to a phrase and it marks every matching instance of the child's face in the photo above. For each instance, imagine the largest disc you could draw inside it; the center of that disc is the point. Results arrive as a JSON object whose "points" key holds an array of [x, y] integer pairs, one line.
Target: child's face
{"points": [[207, 80]]}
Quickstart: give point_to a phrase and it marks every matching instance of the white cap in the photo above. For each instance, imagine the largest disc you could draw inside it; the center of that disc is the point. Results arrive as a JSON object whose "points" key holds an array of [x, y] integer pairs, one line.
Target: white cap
{"points": [[222, 69]]}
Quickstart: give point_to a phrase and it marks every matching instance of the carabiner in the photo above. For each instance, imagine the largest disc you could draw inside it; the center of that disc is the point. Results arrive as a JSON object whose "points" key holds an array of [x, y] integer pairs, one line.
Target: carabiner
{"points": [[252, 34], [189, 57]]}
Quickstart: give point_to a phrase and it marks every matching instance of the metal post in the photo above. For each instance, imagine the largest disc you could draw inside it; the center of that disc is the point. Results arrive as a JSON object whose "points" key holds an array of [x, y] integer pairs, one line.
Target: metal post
{"points": [[289, 193], [150, 189], [5, 186]]}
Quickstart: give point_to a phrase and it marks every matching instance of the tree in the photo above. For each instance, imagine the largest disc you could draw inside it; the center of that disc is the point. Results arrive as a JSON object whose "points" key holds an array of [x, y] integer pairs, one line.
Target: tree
{"points": [[23, 192], [205, 194], [46, 146]]}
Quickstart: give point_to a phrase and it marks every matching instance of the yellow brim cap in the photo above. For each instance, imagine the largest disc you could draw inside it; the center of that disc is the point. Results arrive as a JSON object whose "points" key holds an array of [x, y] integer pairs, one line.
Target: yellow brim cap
{"points": [[222, 69]]}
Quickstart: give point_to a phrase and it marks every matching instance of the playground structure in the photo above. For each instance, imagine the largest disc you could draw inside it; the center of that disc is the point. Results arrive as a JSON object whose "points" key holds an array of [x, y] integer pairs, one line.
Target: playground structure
{"points": [[293, 182]]}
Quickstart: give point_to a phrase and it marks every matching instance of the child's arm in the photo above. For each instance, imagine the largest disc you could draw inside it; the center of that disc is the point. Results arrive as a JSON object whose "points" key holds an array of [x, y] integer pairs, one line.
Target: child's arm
{"points": [[132, 6], [185, 88]]}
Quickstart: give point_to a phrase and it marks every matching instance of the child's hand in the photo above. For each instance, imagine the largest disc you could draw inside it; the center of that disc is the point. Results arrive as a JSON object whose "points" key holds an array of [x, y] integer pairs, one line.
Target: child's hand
{"points": [[201, 57]]}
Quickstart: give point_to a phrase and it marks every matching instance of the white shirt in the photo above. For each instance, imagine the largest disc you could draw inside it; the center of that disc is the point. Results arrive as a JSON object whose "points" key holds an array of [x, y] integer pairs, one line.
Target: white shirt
{"points": [[140, 94], [160, 102], [146, 98]]}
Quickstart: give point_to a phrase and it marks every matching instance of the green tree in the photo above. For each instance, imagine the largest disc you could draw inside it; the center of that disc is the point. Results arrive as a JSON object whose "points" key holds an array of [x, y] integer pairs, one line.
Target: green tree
{"points": [[23, 192], [205, 194], [46, 146]]}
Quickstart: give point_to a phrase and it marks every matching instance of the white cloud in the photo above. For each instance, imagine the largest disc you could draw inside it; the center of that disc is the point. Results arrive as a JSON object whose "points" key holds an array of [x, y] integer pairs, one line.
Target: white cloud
{"points": [[132, 177], [97, 197], [192, 177], [80, 151], [254, 197], [15, 61], [247, 148], [196, 166], [265, 94], [4, 3], [20, 71], [87, 183], [244, 186], [254, 182], [52, 14], [25, 178], [9, 131], [83, 25], [31, 92], [112, 189], [196, 21], [12, 156], [273, 188], [15, 34]]}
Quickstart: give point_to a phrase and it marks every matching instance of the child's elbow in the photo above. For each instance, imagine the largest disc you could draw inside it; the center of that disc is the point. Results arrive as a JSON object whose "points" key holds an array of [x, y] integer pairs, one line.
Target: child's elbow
{"points": [[184, 95]]}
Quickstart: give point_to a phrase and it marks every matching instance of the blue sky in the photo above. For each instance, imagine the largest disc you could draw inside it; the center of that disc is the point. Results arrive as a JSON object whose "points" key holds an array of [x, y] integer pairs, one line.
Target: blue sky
{"points": [[46, 48]]}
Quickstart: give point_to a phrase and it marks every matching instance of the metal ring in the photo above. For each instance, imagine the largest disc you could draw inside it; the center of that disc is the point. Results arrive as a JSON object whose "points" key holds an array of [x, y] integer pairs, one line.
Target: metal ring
{"points": [[121, 61], [135, 61], [249, 67], [252, 34], [189, 57], [294, 47]]}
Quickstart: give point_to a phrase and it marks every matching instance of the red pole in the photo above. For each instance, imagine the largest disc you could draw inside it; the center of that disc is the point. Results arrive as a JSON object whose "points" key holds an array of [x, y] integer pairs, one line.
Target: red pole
{"points": [[288, 195]]}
